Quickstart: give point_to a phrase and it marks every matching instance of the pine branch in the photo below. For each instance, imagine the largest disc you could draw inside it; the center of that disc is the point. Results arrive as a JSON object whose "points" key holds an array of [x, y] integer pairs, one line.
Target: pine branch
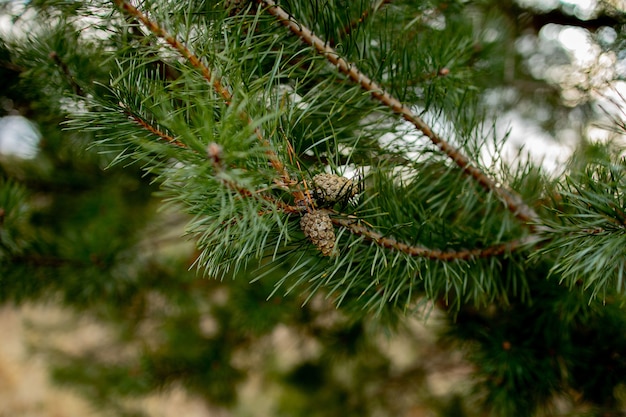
{"points": [[214, 152], [215, 82], [589, 229], [178, 46], [532, 19], [512, 200], [155, 131], [353, 226], [349, 223]]}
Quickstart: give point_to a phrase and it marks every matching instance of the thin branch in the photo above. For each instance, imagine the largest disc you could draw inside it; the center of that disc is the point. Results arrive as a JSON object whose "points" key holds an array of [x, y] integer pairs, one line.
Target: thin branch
{"points": [[212, 79], [512, 200], [154, 130], [525, 18], [66, 71], [355, 227], [214, 153]]}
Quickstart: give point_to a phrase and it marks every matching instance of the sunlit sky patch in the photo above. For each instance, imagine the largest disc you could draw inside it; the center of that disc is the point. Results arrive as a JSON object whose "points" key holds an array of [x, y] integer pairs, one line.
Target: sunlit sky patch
{"points": [[18, 137]]}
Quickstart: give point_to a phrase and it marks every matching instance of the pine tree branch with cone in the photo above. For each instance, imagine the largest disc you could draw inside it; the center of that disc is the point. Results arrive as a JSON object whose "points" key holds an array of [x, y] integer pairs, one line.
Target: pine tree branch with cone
{"points": [[344, 151], [373, 88]]}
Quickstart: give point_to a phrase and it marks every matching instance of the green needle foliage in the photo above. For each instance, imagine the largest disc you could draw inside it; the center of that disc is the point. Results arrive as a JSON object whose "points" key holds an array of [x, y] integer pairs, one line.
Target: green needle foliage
{"points": [[221, 113]]}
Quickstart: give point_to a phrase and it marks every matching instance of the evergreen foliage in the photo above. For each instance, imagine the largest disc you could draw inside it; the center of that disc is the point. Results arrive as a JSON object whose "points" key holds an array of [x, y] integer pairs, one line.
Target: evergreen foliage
{"points": [[223, 115]]}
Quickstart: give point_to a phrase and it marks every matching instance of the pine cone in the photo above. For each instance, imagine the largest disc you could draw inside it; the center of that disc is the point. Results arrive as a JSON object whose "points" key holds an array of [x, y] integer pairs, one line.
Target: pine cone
{"points": [[318, 227], [330, 188]]}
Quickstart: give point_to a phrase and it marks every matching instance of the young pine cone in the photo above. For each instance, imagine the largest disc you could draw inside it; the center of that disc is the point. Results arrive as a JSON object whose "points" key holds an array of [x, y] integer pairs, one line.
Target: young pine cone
{"points": [[318, 227], [330, 188]]}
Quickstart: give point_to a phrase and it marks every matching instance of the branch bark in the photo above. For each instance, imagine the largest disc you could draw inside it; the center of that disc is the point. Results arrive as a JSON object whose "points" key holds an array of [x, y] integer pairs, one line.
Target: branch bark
{"points": [[355, 227]]}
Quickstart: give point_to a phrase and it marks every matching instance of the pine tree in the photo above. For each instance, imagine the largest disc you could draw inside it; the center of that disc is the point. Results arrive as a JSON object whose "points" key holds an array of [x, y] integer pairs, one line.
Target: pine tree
{"points": [[335, 158]]}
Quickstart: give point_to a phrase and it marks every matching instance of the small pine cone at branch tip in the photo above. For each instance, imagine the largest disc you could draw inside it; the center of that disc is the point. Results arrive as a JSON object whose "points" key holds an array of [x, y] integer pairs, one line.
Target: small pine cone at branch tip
{"points": [[318, 227], [330, 188]]}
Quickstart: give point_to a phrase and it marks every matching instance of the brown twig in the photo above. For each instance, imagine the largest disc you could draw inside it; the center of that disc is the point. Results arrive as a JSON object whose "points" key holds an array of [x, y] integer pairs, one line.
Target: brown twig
{"points": [[357, 228], [214, 153], [512, 200], [154, 130]]}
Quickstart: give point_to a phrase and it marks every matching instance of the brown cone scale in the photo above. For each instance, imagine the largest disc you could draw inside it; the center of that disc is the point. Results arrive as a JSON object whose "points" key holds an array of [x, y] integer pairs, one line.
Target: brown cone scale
{"points": [[332, 188], [318, 227]]}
